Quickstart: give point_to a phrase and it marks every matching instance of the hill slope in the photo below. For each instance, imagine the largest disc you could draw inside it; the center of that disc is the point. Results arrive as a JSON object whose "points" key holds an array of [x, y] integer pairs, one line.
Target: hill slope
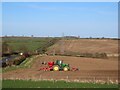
{"points": [[85, 46]]}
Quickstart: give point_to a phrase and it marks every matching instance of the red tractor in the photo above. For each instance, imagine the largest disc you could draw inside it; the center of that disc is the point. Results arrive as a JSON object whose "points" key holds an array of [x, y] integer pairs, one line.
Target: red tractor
{"points": [[58, 65]]}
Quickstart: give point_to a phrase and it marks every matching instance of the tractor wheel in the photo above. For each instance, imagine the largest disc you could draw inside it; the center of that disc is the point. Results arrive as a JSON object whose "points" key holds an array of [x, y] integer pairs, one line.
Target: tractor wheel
{"points": [[65, 68], [56, 68]]}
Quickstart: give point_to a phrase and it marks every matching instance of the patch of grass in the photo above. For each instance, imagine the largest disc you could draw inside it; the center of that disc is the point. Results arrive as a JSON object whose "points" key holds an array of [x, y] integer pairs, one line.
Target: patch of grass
{"points": [[52, 84], [26, 43]]}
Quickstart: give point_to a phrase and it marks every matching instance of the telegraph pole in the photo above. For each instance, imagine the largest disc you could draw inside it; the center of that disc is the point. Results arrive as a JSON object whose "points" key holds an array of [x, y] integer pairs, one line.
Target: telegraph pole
{"points": [[53, 51], [62, 44]]}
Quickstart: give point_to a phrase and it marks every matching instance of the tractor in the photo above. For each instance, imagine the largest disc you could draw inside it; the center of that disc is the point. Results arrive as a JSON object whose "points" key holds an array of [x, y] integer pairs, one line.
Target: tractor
{"points": [[58, 65]]}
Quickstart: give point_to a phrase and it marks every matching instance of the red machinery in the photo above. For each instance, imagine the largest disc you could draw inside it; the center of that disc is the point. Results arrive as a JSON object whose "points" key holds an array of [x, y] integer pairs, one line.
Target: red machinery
{"points": [[57, 66]]}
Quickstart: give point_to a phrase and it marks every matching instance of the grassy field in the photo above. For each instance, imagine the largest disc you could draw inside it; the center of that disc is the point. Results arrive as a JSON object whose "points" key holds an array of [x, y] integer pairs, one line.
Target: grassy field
{"points": [[26, 43], [52, 84]]}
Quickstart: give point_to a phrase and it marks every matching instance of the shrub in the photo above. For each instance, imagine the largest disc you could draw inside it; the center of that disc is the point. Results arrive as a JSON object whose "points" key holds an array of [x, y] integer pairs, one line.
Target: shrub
{"points": [[18, 60]]}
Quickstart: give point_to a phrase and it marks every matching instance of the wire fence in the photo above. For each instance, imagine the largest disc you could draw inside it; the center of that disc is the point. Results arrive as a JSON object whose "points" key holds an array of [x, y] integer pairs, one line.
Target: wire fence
{"points": [[82, 79], [79, 79]]}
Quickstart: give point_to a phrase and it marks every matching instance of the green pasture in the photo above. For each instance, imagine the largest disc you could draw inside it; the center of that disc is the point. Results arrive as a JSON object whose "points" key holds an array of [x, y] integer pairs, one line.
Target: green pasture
{"points": [[26, 43]]}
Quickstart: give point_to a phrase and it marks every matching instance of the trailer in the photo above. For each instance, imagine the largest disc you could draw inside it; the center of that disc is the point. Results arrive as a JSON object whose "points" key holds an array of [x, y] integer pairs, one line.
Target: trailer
{"points": [[58, 65]]}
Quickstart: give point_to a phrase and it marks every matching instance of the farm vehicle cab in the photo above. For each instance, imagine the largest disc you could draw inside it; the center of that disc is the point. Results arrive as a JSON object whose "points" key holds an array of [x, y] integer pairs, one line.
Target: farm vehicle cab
{"points": [[58, 65]]}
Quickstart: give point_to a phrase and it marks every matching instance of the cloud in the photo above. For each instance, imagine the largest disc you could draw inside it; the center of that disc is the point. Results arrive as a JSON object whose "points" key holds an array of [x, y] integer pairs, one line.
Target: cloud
{"points": [[34, 6]]}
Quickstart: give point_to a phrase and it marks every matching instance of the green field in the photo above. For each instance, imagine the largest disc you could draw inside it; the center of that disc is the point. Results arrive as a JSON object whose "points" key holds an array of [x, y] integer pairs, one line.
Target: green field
{"points": [[26, 43], [52, 84]]}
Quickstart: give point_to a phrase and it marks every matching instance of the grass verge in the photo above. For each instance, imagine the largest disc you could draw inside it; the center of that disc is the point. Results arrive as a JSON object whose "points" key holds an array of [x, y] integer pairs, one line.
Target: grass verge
{"points": [[52, 84]]}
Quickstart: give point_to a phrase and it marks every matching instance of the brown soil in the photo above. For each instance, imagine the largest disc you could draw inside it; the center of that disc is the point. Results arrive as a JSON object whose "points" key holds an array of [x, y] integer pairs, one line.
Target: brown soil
{"points": [[89, 68], [85, 46]]}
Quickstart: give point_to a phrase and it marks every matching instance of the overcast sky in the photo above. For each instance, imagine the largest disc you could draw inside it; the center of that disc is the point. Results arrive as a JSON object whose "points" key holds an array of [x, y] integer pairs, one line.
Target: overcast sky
{"points": [[87, 19]]}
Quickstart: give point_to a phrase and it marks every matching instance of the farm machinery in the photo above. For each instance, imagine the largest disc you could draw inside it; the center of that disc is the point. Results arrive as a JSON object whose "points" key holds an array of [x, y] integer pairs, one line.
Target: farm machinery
{"points": [[58, 65]]}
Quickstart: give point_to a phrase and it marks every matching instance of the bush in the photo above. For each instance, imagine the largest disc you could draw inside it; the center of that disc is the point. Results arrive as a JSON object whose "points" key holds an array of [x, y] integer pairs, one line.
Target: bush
{"points": [[18, 60], [15, 61]]}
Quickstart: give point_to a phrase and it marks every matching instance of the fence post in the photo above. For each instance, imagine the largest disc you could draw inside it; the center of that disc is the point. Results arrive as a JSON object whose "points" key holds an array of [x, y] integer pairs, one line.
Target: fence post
{"points": [[78, 79], [108, 80], [67, 78], [94, 79], [40, 77], [53, 81]]}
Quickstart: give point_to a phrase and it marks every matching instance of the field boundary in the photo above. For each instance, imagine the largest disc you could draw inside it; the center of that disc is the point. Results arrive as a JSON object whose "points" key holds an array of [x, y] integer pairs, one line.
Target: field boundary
{"points": [[95, 80], [54, 83]]}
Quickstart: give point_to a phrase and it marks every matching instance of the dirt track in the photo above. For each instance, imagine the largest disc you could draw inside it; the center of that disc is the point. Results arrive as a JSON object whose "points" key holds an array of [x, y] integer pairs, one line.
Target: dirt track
{"points": [[90, 69]]}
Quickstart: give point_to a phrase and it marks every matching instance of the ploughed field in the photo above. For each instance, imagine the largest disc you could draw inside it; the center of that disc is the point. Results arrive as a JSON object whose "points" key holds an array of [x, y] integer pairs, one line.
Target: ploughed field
{"points": [[107, 46], [90, 69]]}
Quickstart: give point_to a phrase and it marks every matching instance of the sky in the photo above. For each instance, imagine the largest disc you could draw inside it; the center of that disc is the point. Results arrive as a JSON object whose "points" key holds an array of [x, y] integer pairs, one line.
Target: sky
{"points": [[84, 19]]}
